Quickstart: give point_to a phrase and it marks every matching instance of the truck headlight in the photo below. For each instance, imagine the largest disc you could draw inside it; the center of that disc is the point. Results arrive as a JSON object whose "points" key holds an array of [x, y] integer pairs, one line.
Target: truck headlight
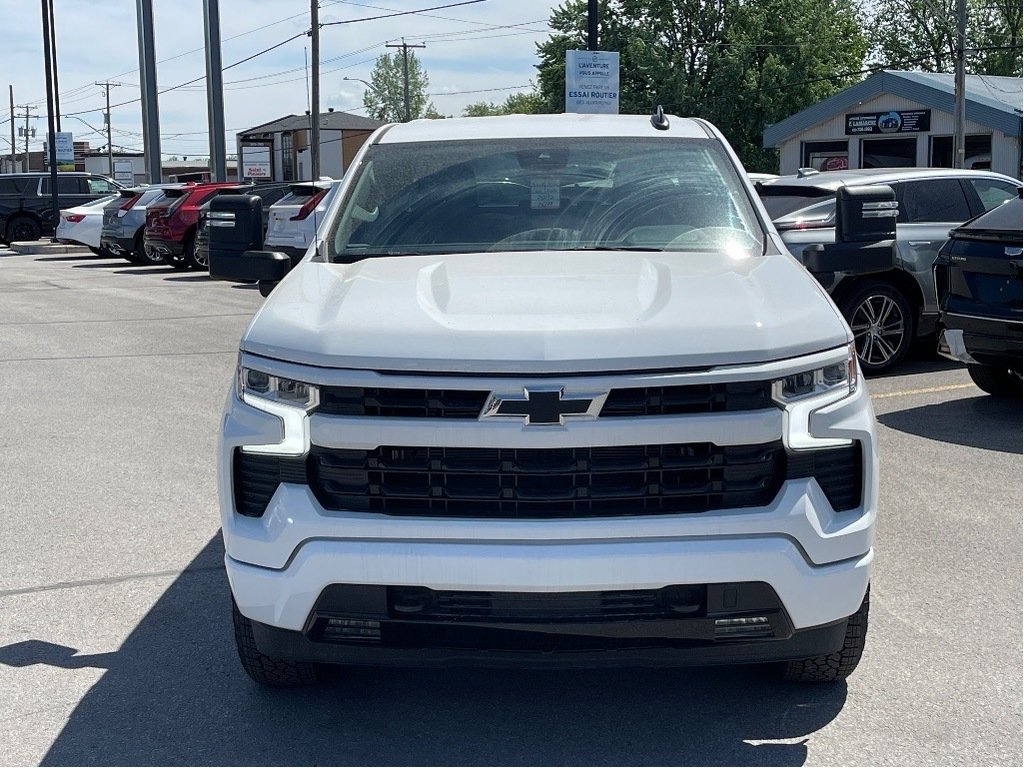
{"points": [[801, 394], [288, 399]]}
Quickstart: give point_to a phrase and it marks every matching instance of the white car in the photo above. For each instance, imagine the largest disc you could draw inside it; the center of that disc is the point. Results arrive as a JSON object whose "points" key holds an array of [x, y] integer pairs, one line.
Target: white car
{"points": [[82, 224], [295, 218], [550, 389]]}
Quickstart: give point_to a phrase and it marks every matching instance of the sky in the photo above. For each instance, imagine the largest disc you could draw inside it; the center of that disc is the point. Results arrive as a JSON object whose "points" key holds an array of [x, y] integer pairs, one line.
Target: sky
{"points": [[479, 52]]}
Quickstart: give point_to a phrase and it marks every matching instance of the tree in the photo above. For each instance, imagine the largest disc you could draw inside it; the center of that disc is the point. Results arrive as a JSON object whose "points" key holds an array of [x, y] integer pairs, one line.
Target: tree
{"points": [[385, 99], [529, 103], [742, 64], [922, 34]]}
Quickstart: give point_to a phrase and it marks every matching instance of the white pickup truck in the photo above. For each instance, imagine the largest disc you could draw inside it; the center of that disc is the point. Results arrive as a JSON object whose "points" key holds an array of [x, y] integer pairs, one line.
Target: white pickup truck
{"points": [[548, 390]]}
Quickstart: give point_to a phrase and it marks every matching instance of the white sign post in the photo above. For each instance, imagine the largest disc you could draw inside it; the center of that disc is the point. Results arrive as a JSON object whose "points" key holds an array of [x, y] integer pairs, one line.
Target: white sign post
{"points": [[255, 162], [592, 82], [124, 172]]}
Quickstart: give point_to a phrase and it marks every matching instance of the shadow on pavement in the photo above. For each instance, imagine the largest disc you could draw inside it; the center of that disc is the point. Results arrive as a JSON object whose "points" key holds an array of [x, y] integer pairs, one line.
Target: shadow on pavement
{"points": [[174, 693], [86, 257], [978, 422], [197, 278]]}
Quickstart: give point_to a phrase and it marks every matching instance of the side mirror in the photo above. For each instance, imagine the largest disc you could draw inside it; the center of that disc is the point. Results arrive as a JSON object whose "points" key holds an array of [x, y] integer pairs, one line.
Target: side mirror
{"points": [[234, 226], [865, 234], [252, 267], [866, 214]]}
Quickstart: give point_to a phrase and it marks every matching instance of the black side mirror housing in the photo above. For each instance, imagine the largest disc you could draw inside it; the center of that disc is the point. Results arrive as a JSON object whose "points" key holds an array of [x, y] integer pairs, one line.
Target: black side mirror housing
{"points": [[253, 267], [865, 234], [235, 227]]}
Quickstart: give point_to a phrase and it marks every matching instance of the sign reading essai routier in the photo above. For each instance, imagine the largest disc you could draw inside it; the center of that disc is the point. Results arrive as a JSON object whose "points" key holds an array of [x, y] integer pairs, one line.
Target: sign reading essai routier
{"points": [[592, 82], [910, 121]]}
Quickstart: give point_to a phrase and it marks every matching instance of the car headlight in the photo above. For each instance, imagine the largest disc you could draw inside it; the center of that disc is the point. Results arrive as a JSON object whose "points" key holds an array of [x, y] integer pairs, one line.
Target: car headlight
{"points": [[801, 394], [288, 399]]}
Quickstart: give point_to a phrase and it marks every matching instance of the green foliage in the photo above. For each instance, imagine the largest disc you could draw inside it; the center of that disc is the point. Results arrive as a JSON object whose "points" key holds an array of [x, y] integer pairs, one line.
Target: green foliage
{"points": [[529, 103], [385, 100], [742, 64], [921, 34]]}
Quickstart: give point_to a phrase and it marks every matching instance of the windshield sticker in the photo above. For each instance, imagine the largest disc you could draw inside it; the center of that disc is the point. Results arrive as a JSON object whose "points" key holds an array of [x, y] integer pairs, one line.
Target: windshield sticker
{"points": [[544, 193]]}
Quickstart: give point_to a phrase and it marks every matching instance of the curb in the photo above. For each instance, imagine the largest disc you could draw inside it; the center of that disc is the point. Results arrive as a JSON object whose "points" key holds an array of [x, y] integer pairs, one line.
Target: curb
{"points": [[45, 246]]}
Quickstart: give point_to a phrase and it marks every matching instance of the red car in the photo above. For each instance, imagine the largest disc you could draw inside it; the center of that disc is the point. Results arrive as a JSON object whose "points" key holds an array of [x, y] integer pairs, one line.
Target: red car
{"points": [[171, 223]]}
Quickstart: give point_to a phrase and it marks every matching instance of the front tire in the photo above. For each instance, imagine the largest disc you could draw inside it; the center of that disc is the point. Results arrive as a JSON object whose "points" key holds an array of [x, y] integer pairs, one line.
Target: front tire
{"points": [[996, 380], [882, 325], [833, 667], [267, 670]]}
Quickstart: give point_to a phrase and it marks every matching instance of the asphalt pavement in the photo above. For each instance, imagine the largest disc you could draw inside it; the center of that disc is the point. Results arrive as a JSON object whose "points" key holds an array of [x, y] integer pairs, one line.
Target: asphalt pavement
{"points": [[115, 632]]}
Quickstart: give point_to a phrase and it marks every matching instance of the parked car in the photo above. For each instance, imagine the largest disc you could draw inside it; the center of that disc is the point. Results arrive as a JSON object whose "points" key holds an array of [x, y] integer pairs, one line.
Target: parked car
{"points": [[81, 225], [124, 223], [502, 412], [886, 310], [294, 219], [26, 203], [171, 222], [978, 282], [268, 195]]}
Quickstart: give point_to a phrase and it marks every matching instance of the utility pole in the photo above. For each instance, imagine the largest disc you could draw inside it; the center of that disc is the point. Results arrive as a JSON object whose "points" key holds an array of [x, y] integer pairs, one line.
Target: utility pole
{"points": [[51, 141], [214, 89], [314, 108], [960, 86], [405, 73], [147, 79], [29, 109], [110, 147], [14, 149], [53, 57], [591, 25]]}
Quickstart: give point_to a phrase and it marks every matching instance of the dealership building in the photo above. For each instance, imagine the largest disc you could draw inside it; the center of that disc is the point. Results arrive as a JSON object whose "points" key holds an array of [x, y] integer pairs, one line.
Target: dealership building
{"points": [[904, 119]]}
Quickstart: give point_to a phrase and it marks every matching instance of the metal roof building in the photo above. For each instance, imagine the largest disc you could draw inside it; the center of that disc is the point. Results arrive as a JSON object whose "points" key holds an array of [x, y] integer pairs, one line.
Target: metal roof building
{"points": [[904, 119]]}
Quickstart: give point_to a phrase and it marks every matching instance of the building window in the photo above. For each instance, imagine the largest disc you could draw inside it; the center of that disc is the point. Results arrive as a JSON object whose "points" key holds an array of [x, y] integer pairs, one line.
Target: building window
{"points": [[826, 155], [888, 153], [977, 151], [287, 157]]}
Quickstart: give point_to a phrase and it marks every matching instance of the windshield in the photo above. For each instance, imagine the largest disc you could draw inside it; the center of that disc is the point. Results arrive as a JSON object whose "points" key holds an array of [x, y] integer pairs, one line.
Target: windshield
{"points": [[600, 193]]}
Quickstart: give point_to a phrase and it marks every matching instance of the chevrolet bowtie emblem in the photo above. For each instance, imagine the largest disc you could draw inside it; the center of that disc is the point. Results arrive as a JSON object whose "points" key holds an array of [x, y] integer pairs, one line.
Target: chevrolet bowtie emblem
{"points": [[543, 405]]}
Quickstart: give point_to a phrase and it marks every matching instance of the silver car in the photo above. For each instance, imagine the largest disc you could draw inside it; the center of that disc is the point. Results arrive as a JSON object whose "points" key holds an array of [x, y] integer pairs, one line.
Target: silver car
{"points": [[124, 220], [886, 310]]}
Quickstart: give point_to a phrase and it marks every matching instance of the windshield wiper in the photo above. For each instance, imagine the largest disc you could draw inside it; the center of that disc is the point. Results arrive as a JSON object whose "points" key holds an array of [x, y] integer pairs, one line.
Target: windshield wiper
{"points": [[648, 248]]}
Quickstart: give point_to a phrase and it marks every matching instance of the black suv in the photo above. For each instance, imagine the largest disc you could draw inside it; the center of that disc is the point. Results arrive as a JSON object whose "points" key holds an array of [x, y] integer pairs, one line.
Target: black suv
{"points": [[978, 282], [25, 201], [886, 309]]}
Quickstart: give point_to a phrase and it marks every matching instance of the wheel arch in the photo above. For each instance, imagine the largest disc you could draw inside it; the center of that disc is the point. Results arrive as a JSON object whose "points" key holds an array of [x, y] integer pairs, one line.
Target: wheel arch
{"points": [[897, 278]]}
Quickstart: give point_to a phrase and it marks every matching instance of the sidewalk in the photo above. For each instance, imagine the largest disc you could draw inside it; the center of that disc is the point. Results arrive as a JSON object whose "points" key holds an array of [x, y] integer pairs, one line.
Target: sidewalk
{"points": [[45, 246]]}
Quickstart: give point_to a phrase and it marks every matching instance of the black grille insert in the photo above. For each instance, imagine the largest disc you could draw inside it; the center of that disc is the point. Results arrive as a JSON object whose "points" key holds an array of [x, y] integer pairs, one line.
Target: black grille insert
{"points": [[547, 483], [256, 477], [690, 398], [467, 404]]}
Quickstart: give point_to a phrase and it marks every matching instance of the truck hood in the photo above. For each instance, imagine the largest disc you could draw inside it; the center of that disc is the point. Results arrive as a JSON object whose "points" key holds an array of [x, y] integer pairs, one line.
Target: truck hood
{"points": [[546, 312]]}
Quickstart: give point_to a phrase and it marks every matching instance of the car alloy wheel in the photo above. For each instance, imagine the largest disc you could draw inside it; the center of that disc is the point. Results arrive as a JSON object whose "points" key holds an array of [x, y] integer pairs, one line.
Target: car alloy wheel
{"points": [[879, 327]]}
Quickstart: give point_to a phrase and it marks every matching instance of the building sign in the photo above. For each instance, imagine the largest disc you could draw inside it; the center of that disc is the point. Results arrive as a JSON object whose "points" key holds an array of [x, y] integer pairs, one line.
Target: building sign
{"points": [[909, 121], [256, 161], [124, 171], [65, 151], [592, 82]]}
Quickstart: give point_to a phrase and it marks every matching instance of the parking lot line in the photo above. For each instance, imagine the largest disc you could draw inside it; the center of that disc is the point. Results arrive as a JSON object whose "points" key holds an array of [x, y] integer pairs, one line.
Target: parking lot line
{"points": [[922, 391]]}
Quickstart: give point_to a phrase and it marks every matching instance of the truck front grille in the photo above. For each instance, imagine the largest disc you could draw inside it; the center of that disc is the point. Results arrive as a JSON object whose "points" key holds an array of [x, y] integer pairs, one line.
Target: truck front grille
{"points": [[547, 483], [391, 402]]}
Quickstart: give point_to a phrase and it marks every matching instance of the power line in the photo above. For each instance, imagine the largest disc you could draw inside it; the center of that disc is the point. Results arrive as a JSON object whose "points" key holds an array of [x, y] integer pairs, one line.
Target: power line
{"points": [[401, 13]]}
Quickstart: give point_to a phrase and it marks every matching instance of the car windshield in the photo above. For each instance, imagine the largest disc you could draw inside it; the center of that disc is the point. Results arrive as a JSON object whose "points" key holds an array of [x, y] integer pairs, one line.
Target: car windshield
{"points": [[561, 194]]}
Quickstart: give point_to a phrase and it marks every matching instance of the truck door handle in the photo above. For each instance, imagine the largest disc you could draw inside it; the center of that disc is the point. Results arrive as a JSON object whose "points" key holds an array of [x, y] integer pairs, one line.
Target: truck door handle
{"points": [[918, 242]]}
